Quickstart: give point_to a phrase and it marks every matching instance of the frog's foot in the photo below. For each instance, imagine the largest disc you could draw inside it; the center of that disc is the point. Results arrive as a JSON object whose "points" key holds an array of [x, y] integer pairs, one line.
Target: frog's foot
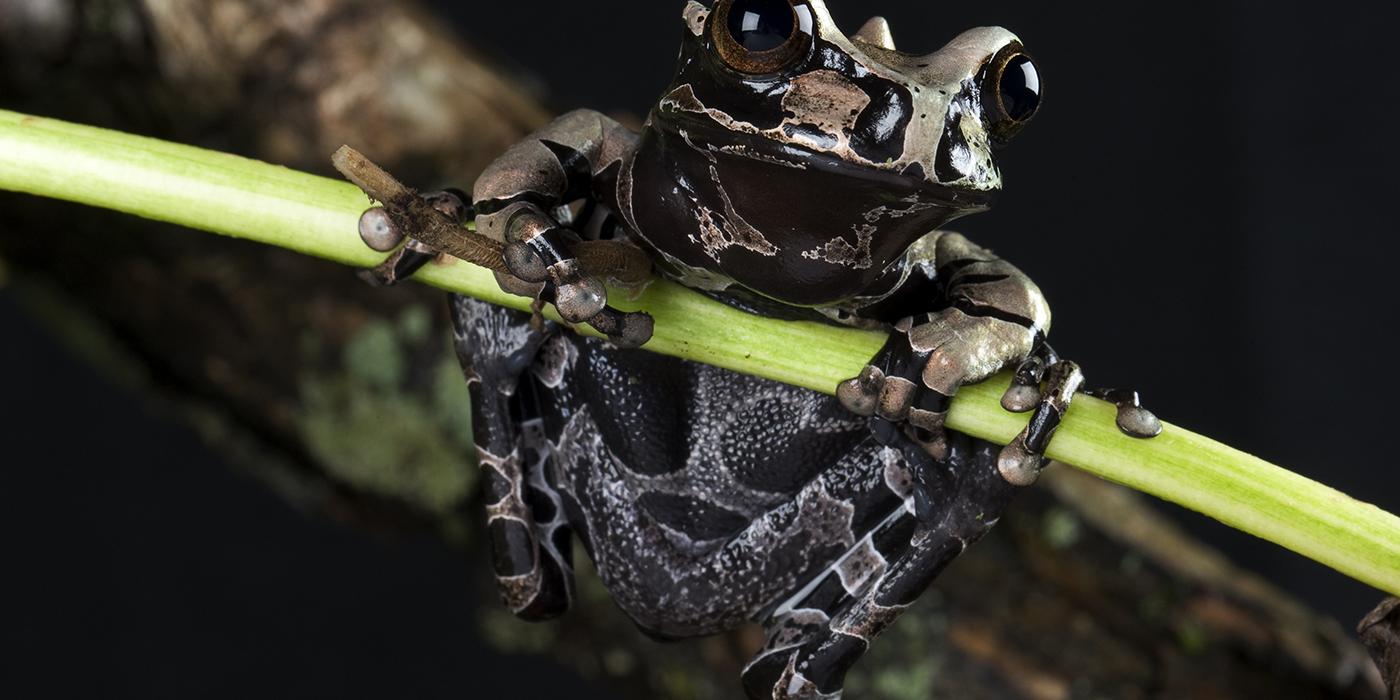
{"points": [[1024, 395], [1133, 419], [540, 259], [1021, 460], [407, 255], [541, 253], [816, 637], [884, 389]]}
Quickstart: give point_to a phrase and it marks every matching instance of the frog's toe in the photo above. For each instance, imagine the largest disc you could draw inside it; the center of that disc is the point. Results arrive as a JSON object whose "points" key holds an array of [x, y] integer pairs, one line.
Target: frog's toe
{"points": [[1020, 398], [861, 394], [897, 396], [582, 298], [1024, 393], [541, 251], [379, 231], [1133, 419], [1018, 465], [1138, 422], [625, 330], [525, 263], [636, 330], [921, 410], [1020, 461], [578, 297], [890, 388]]}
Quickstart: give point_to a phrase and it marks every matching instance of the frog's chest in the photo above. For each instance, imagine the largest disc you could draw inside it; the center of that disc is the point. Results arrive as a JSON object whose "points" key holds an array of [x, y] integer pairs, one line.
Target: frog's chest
{"points": [[803, 232]]}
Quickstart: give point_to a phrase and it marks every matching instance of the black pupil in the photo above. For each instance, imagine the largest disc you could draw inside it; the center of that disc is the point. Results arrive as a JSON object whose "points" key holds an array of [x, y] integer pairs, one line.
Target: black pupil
{"points": [[1020, 88], [761, 25]]}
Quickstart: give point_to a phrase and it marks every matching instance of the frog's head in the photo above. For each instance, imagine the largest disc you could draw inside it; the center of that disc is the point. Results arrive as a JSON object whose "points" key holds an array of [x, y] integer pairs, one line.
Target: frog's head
{"points": [[779, 77], [766, 88]]}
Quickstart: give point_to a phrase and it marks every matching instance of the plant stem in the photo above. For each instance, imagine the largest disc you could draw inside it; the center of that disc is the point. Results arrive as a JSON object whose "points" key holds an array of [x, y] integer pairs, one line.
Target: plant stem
{"points": [[317, 216]]}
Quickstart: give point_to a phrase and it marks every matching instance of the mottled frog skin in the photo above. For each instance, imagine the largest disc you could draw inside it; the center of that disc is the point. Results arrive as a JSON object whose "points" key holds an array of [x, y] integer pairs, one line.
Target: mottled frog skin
{"points": [[789, 170]]}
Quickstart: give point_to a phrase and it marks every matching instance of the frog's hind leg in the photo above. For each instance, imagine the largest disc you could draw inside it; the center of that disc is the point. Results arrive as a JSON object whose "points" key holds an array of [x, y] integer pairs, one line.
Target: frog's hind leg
{"points": [[529, 541], [816, 637], [799, 625]]}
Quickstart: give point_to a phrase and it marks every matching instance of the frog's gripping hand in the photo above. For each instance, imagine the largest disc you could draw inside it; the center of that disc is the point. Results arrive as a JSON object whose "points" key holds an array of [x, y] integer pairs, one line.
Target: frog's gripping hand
{"points": [[995, 318], [522, 202], [407, 255], [522, 199]]}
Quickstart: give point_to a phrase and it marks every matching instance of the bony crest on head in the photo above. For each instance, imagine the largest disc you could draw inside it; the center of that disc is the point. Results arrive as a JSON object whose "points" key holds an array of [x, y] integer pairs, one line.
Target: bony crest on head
{"points": [[876, 32], [942, 112], [790, 137]]}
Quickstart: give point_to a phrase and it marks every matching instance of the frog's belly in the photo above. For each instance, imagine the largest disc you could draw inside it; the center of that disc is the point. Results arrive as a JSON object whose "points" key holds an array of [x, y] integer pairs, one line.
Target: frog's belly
{"points": [[706, 497]]}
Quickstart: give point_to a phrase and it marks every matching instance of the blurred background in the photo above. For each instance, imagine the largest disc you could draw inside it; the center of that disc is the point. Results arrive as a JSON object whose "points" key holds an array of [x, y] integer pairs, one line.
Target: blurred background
{"points": [[231, 470]]}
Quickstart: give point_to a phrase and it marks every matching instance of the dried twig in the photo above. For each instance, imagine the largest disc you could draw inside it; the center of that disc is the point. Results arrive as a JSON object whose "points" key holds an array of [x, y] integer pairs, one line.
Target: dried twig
{"points": [[419, 220], [414, 216]]}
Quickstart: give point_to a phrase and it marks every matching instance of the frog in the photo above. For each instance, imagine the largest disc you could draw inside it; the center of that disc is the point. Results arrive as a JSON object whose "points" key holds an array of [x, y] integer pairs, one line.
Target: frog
{"points": [[792, 171]]}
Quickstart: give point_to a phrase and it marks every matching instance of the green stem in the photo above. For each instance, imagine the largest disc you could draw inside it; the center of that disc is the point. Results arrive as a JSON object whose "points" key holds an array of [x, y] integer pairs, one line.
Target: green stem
{"points": [[317, 216]]}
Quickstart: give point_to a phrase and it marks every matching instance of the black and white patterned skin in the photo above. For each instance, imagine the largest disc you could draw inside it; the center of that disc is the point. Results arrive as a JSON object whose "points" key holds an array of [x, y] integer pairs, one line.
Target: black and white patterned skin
{"points": [[789, 170], [707, 498]]}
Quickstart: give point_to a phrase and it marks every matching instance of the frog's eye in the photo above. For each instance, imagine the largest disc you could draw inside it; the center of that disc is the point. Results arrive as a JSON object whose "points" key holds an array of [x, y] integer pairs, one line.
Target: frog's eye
{"points": [[762, 36], [1010, 91]]}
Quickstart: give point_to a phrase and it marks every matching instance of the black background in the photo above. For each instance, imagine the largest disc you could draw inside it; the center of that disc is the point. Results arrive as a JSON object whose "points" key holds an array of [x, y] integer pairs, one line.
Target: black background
{"points": [[1206, 198]]}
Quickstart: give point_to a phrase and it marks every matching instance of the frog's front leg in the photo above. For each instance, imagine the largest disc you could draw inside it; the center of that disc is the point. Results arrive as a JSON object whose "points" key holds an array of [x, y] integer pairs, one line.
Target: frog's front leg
{"points": [[995, 317], [516, 200]]}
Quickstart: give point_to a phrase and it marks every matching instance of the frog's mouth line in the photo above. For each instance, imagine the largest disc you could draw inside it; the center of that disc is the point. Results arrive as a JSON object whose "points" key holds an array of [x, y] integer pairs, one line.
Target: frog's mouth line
{"points": [[823, 145], [696, 132], [912, 177]]}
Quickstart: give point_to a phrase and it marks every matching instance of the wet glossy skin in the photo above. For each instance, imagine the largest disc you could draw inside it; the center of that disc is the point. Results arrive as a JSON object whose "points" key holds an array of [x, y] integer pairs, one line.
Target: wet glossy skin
{"points": [[812, 183], [802, 172]]}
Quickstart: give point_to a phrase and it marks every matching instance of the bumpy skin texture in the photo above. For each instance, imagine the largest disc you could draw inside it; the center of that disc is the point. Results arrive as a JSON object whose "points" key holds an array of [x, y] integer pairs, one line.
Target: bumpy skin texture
{"points": [[807, 180], [706, 498]]}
